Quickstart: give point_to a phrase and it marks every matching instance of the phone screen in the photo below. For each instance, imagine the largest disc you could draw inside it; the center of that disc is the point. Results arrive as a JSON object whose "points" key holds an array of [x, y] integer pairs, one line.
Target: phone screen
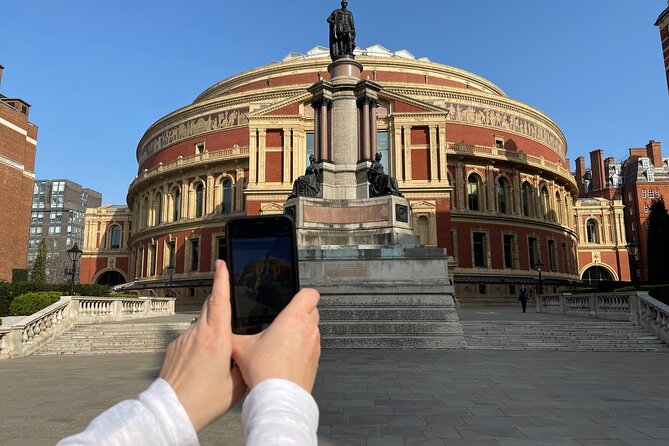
{"points": [[263, 272]]}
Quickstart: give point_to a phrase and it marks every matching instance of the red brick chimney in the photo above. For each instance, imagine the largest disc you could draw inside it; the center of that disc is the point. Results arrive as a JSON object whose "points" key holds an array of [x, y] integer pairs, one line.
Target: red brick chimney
{"points": [[597, 169], [580, 173], [654, 152]]}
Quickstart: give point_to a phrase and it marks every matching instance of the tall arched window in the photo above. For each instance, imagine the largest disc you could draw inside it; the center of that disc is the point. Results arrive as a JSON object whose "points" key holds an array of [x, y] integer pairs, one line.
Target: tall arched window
{"points": [[226, 204], [503, 195], [527, 199], [591, 231], [199, 200], [159, 208], [176, 210], [473, 193], [545, 203], [115, 237], [559, 211]]}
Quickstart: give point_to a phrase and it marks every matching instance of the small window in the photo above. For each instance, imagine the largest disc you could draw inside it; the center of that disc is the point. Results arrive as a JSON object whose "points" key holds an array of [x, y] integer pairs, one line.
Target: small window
{"points": [[592, 233], [499, 142], [651, 194], [631, 211], [645, 208], [651, 176], [512, 290], [643, 193], [483, 289], [479, 250], [633, 226], [645, 163], [194, 255], [200, 148]]}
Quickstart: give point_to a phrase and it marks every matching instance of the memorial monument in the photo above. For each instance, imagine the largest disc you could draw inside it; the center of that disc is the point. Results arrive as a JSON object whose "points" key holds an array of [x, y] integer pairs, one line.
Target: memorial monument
{"points": [[379, 287]]}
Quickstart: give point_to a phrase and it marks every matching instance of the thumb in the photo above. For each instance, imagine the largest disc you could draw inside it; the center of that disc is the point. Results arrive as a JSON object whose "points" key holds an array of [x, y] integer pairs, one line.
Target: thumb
{"points": [[304, 302]]}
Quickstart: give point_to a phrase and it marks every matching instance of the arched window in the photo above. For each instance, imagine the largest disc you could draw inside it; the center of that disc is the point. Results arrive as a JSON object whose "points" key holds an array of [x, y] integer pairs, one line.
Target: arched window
{"points": [[473, 193], [199, 200], [115, 237], [559, 211], [159, 208], [545, 203], [503, 195], [527, 199], [596, 274], [226, 204], [591, 231], [176, 210]]}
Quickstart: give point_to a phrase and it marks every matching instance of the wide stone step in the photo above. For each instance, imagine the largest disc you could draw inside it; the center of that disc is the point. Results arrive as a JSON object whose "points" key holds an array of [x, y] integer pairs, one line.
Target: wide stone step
{"points": [[387, 314], [388, 341], [388, 327], [392, 300]]}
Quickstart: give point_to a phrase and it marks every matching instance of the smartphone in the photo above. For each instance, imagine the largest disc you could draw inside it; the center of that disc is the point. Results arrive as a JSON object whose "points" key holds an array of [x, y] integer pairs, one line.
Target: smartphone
{"points": [[262, 261]]}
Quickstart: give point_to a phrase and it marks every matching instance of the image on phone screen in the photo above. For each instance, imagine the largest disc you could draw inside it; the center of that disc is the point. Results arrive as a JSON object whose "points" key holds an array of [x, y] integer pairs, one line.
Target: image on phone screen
{"points": [[263, 279]]}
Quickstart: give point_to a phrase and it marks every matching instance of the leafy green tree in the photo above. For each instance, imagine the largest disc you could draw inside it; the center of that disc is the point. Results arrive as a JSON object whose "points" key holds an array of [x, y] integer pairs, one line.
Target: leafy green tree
{"points": [[658, 240], [38, 273]]}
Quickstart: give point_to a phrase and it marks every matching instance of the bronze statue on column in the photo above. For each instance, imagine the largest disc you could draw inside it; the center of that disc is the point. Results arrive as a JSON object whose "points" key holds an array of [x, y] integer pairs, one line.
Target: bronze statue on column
{"points": [[342, 32]]}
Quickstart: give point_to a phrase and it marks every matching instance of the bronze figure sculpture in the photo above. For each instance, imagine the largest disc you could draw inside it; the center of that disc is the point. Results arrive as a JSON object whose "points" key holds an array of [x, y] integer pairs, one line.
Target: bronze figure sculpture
{"points": [[381, 183], [342, 32], [309, 184]]}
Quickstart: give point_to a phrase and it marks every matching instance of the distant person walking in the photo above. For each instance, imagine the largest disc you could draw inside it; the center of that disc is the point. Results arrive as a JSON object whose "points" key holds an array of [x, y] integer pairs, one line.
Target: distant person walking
{"points": [[524, 297]]}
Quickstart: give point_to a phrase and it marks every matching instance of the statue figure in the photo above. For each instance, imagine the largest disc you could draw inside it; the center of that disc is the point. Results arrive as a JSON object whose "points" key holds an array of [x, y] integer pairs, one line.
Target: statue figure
{"points": [[342, 32], [309, 184], [381, 183]]}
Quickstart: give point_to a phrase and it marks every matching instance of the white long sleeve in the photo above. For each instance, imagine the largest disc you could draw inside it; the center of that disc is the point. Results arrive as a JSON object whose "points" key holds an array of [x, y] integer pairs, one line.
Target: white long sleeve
{"points": [[156, 417], [278, 412]]}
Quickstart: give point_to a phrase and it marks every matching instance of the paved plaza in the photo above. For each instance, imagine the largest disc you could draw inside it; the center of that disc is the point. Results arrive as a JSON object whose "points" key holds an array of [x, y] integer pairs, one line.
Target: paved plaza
{"points": [[385, 397]]}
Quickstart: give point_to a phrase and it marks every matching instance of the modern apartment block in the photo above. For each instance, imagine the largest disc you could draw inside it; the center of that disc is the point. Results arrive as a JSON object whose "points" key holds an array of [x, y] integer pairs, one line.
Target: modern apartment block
{"points": [[18, 145], [58, 211]]}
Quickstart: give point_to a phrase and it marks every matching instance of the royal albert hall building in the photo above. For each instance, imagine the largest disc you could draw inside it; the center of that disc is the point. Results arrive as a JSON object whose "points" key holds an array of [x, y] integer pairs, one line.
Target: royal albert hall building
{"points": [[486, 176]]}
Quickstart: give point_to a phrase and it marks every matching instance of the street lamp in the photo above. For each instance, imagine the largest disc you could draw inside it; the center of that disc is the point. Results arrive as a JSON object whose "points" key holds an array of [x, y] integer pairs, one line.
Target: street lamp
{"points": [[170, 271], [540, 267], [633, 250], [74, 253]]}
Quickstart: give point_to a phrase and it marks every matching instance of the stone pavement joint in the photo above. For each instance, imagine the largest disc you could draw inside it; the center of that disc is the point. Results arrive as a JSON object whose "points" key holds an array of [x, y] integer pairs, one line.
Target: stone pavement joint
{"points": [[385, 397]]}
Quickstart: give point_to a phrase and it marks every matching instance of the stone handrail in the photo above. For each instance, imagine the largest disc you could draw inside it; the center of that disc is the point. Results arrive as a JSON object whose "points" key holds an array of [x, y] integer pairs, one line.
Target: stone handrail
{"points": [[32, 332], [635, 306], [654, 315]]}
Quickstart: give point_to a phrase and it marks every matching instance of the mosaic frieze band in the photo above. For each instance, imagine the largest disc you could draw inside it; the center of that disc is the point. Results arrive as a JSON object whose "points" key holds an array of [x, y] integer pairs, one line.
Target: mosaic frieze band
{"points": [[190, 128]]}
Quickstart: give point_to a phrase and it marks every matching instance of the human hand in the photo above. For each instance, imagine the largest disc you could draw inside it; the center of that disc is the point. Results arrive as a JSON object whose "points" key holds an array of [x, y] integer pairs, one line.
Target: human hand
{"points": [[289, 348], [197, 363]]}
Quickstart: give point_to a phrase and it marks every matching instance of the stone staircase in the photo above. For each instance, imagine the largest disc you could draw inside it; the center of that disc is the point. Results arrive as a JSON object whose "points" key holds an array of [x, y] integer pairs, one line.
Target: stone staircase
{"points": [[390, 321], [567, 335], [114, 338]]}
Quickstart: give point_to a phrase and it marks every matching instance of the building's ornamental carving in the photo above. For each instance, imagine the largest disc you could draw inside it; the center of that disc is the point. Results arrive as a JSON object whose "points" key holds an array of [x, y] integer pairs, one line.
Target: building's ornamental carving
{"points": [[196, 126], [504, 121]]}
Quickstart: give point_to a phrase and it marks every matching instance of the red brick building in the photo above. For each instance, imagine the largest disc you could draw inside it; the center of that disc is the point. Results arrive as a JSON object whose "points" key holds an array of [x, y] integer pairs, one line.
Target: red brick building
{"points": [[18, 144], [487, 176]]}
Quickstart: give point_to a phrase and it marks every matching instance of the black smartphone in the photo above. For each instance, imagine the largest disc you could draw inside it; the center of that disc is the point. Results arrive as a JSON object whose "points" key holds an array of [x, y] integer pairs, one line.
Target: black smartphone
{"points": [[262, 261]]}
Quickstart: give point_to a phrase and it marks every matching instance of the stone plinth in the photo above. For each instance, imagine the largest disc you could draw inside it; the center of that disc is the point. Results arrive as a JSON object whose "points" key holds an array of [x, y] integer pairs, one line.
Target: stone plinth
{"points": [[383, 297], [371, 221]]}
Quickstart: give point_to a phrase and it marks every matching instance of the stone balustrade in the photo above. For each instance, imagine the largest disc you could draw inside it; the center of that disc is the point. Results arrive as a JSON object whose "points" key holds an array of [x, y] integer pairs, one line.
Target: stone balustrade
{"points": [[29, 334], [636, 306]]}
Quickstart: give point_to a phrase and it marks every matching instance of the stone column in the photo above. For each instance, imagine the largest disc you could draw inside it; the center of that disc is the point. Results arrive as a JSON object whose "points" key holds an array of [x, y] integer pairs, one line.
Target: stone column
{"points": [[459, 182], [397, 159], [364, 129], [239, 190], [324, 130], [330, 144], [286, 177], [185, 196], [407, 152], [253, 154], [317, 131], [443, 165], [434, 172], [491, 189], [373, 106], [261, 155]]}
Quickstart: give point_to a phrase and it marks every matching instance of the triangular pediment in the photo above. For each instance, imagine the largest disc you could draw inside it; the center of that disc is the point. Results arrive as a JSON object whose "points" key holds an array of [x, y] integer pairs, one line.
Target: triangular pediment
{"points": [[283, 107], [423, 206], [406, 104]]}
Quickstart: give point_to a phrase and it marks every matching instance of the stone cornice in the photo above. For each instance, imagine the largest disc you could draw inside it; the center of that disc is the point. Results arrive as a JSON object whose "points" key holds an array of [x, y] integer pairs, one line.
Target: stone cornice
{"points": [[466, 216]]}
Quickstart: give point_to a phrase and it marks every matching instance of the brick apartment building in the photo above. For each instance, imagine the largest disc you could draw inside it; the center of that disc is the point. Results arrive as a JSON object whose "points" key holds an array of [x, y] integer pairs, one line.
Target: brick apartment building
{"points": [[18, 145]]}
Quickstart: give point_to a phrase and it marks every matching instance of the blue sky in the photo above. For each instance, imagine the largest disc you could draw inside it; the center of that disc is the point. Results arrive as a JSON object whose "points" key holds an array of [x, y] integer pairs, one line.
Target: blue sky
{"points": [[99, 73]]}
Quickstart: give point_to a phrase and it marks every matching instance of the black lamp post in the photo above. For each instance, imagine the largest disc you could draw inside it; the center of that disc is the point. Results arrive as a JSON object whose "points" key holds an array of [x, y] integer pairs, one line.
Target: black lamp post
{"points": [[170, 271], [540, 267], [633, 250], [74, 253]]}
